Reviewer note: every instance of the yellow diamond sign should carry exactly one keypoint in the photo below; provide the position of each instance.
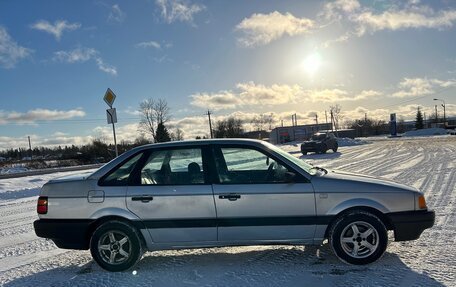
(109, 97)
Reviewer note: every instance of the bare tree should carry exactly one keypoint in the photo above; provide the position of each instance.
(229, 128)
(335, 112)
(177, 135)
(153, 112)
(263, 121)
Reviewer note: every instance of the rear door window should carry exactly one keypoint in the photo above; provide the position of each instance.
(173, 167)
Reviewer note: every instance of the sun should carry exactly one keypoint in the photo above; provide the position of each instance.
(312, 63)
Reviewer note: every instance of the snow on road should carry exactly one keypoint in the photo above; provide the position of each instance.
(426, 163)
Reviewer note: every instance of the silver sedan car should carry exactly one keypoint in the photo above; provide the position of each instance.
(209, 193)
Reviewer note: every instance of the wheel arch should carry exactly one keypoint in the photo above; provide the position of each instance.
(367, 208)
(137, 224)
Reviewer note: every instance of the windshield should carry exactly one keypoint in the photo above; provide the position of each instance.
(318, 137)
(302, 164)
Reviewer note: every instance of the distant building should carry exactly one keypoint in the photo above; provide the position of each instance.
(296, 133)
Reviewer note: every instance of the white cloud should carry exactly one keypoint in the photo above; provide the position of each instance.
(10, 51)
(55, 29)
(32, 116)
(178, 10)
(217, 101)
(261, 29)
(334, 10)
(80, 55)
(402, 15)
(149, 44)
(414, 87)
(251, 94)
(116, 14)
(76, 55)
(105, 67)
(126, 132)
(403, 19)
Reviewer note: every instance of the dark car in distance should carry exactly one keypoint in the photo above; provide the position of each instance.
(320, 143)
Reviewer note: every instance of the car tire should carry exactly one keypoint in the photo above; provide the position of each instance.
(116, 246)
(323, 148)
(358, 237)
(336, 146)
(304, 152)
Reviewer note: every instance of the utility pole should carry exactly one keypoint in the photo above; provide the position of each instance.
(436, 115)
(424, 116)
(292, 120)
(282, 123)
(326, 116)
(210, 123)
(30, 148)
(444, 112)
(296, 120)
(365, 117)
(316, 120)
(332, 120)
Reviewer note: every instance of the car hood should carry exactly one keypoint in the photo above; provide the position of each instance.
(341, 181)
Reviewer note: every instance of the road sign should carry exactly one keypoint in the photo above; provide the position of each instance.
(109, 97)
(393, 127)
(111, 116)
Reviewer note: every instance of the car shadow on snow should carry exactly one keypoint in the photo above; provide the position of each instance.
(328, 155)
(237, 266)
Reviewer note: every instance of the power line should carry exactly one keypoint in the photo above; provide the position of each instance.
(417, 98)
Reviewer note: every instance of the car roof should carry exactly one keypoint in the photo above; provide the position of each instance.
(202, 142)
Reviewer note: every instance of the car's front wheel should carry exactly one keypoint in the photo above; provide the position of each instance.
(336, 146)
(116, 246)
(358, 237)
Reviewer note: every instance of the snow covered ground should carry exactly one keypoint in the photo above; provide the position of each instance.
(426, 163)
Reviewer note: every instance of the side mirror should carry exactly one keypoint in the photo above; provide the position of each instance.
(290, 177)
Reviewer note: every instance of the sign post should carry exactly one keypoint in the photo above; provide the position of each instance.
(111, 114)
(393, 127)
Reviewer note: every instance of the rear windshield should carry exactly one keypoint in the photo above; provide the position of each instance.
(318, 137)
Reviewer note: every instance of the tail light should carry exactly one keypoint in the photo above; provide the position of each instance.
(42, 206)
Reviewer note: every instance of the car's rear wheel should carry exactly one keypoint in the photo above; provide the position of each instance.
(358, 237)
(323, 148)
(336, 146)
(116, 246)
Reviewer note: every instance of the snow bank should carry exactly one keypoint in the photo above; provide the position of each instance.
(351, 142)
(12, 170)
(425, 132)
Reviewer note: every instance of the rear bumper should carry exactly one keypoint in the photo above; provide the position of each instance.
(409, 225)
(308, 148)
(66, 233)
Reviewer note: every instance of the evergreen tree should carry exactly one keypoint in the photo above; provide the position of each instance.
(419, 120)
(162, 134)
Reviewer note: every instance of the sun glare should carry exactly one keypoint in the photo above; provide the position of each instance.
(312, 63)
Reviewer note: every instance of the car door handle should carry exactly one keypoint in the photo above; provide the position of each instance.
(230, 197)
(144, 198)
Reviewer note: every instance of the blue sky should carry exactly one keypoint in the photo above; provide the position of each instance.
(238, 58)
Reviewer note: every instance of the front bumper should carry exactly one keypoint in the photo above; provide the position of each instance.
(66, 233)
(409, 225)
